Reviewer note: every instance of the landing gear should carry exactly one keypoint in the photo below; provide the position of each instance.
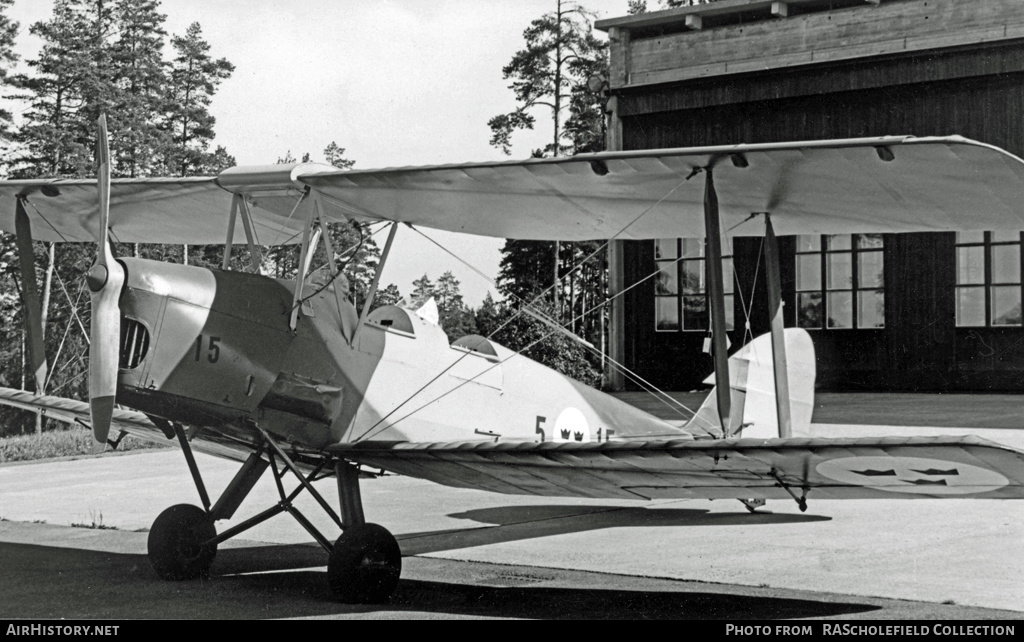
(801, 501)
(179, 543)
(365, 562)
(753, 504)
(363, 566)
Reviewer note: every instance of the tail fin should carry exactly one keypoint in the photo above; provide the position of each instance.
(752, 381)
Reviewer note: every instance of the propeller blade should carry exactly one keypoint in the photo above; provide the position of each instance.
(105, 279)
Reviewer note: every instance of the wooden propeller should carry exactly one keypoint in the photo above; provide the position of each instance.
(105, 280)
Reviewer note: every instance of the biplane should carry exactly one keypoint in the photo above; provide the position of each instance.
(288, 375)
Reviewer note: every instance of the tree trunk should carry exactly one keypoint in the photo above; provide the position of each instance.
(555, 284)
(572, 294)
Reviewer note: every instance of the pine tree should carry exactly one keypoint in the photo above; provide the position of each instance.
(422, 290)
(97, 56)
(387, 296)
(488, 316)
(336, 156)
(525, 269)
(561, 53)
(71, 83)
(137, 54)
(193, 81)
(640, 6)
(215, 163)
(519, 332)
(52, 139)
(455, 316)
(8, 32)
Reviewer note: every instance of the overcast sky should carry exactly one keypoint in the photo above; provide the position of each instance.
(399, 82)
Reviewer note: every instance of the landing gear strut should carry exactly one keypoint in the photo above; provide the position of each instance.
(363, 566)
(365, 562)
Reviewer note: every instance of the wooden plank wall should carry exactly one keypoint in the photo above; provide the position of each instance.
(890, 28)
(856, 76)
(988, 109)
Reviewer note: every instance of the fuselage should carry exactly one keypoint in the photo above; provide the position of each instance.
(215, 349)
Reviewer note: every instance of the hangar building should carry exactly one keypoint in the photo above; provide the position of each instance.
(923, 311)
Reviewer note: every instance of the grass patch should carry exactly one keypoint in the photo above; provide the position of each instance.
(96, 523)
(59, 443)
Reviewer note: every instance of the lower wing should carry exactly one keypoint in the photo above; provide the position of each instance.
(77, 412)
(906, 467)
(892, 467)
(132, 422)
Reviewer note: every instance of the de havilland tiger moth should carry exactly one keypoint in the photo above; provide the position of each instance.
(291, 376)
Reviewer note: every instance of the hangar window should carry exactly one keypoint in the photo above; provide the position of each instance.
(988, 279)
(840, 281)
(680, 290)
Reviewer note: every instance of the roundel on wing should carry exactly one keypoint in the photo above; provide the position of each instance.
(571, 425)
(912, 475)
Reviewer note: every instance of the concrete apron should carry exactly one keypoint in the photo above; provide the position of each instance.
(964, 551)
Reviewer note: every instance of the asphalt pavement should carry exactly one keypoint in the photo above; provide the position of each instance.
(71, 524)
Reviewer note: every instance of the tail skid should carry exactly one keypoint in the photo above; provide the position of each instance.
(752, 384)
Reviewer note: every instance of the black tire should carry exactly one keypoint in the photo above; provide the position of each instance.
(175, 549)
(365, 565)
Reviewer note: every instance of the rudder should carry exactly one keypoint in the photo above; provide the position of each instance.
(752, 383)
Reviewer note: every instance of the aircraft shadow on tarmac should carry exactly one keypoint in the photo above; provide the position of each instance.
(515, 523)
(288, 581)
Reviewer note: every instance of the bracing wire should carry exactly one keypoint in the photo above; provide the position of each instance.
(372, 430)
(340, 270)
(664, 398)
(67, 330)
(46, 220)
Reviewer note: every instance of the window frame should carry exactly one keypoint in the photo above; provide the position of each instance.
(679, 296)
(987, 284)
(824, 251)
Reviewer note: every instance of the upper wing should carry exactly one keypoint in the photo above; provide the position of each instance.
(915, 467)
(165, 210)
(891, 184)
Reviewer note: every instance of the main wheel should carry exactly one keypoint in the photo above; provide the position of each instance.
(365, 565)
(176, 548)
